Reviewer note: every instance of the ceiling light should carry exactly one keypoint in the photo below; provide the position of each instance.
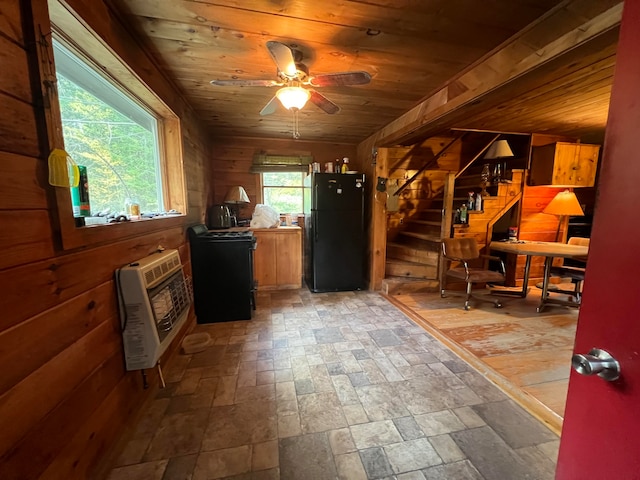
(293, 97)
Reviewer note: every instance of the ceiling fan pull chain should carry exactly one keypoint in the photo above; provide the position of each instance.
(296, 133)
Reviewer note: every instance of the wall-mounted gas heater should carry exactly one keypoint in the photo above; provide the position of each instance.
(154, 302)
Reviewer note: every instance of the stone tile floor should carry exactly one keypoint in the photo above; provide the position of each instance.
(331, 386)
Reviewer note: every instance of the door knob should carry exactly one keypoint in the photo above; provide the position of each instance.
(596, 362)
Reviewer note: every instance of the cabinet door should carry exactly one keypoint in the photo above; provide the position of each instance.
(586, 163)
(289, 259)
(565, 164)
(264, 259)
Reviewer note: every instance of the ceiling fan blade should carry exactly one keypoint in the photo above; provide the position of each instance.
(283, 56)
(270, 107)
(245, 83)
(323, 103)
(340, 79)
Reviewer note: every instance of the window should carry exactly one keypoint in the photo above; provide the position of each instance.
(284, 191)
(137, 151)
(112, 135)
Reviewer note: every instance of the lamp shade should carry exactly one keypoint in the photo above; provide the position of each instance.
(564, 203)
(236, 195)
(293, 97)
(499, 149)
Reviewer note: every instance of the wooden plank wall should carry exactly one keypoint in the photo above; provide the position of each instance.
(232, 163)
(65, 397)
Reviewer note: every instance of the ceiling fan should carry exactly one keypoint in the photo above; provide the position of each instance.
(293, 77)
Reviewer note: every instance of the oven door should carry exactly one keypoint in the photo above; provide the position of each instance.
(222, 278)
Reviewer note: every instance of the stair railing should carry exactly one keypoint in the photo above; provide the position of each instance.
(477, 156)
(430, 163)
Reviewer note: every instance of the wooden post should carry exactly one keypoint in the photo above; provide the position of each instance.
(445, 229)
(379, 223)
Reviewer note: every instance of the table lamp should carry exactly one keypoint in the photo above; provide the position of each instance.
(235, 197)
(564, 204)
(498, 150)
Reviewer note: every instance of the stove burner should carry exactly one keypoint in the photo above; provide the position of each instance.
(224, 234)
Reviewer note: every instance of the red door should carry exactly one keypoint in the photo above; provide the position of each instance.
(601, 433)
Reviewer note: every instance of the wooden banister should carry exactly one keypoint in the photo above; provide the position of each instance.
(433, 161)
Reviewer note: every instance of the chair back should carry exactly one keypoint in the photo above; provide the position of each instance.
(582, 241)
(464, 248)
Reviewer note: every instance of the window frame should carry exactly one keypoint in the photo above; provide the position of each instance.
(301, 187)
(82, 73)
(70, 29)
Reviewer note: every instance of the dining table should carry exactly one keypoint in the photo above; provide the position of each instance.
(549, 250)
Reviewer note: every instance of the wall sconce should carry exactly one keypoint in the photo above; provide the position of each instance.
(564, 204)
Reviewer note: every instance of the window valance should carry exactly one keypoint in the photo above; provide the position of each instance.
(280, 163)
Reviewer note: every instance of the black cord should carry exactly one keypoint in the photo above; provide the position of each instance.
(121, 301)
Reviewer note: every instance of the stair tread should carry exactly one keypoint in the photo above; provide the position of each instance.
(411, 247)
(422, 236)
(435, 223)
(392, 285)
(406, 262)
(397, 279)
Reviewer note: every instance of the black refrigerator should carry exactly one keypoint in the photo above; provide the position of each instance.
(334, 232)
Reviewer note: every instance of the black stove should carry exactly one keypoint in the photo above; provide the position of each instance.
(222, 266)
(228, 235)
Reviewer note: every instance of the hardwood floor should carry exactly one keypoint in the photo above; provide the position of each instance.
(527, 354)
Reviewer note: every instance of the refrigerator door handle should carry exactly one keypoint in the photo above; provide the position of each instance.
(315, 196)
(315, 228)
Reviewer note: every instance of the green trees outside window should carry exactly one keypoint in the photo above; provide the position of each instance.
(283, 191)
(115, 138)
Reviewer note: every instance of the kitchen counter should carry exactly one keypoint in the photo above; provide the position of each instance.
(244, 229)
(278, 258)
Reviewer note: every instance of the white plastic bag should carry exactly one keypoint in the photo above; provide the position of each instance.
(264, 217)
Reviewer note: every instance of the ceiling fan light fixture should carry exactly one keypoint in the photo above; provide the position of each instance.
(293, 97)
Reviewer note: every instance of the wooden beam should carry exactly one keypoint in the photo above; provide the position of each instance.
(537, 45)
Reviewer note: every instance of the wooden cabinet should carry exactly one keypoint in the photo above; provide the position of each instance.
(564, 165)
(277, 260)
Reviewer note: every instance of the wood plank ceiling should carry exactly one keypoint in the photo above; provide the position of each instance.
(410, 48)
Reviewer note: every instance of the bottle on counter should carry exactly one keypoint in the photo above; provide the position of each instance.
(464, 219)
(338, 166)
(345, 165)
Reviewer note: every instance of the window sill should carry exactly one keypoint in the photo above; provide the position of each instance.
(73, 237)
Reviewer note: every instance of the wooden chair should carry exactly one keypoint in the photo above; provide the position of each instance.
(573, 273)
(465, 251)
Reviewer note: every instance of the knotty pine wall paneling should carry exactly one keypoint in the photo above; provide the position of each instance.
(65, 397)
(232, 159)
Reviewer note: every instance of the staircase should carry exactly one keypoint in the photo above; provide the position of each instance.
(415, 232)
(413, 256)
